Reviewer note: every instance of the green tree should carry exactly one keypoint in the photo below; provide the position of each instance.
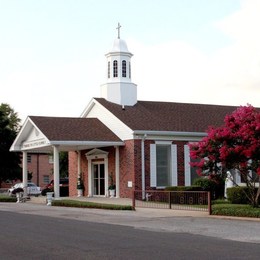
(9, 161)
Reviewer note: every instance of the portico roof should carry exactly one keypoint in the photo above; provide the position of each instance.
(42, 133)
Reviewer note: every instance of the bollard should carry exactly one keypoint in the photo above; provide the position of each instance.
(49, 198)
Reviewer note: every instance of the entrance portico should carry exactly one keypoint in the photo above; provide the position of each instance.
(54, 134)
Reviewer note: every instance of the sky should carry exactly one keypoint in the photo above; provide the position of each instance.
(52, 52)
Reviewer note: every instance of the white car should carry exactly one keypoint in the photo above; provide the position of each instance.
(32, 189)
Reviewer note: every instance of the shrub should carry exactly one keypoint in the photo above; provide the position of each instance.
(180, 196)
(237, 195)
(215, 186)
(4, 198)
(184, 188)
(235, 210)
(85, 204)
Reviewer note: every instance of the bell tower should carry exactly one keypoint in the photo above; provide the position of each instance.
(119, 88)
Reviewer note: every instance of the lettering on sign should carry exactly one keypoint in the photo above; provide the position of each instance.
(34, 144)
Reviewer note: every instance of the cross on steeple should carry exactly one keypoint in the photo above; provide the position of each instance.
(118, 30)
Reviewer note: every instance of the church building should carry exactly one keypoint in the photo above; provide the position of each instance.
(137, 145)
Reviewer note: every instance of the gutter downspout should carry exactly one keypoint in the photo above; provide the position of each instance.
(143, 165)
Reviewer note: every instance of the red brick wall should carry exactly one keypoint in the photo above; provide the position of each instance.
(130, 166)
(40, 166)
(73, 173)
(127, 166)
(180, 164)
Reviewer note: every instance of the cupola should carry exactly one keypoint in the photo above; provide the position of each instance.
(119, 88)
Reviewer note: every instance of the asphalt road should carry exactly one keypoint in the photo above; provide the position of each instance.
(42, 232)
(25, 236)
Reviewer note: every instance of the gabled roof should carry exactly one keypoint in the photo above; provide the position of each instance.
(74, 129)
(41, 133)
(169, 116)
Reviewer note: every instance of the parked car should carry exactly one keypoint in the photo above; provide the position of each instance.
(64, 187)
(32, 189)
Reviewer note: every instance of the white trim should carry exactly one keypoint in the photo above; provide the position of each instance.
(117, 162)
(143, 162)
(82, 143)
(25, 175)
(163, 142)
(90, 184)
(153, 177)
(174, 133)
(96, 154)
(174, 170)
(187, 168)
(56, 175)
(174, 164)
(106, 177)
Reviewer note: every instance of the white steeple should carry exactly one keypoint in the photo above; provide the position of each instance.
(119, 88)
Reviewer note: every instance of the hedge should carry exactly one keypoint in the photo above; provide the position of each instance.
(235, 210)
(85, 204)
(237, 195)
(4, 198)
(184, 188)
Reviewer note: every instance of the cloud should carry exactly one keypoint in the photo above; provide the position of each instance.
(177, 71)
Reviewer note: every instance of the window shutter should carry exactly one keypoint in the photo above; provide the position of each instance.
(153, 179)
(174, 165)
(187, 172)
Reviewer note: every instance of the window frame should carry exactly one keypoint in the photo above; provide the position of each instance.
(173, 164)
(115, 69)
(124, 68)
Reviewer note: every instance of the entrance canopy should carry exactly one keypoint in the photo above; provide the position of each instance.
(69, 134)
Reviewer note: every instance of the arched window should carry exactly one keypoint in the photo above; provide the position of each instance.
(108, 69)
(124, 69)
(115, 74)
(130, 70)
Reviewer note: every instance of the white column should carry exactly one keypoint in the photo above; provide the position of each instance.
(143, 164)
(79, 164)
(117, 173)
(90, 190)
(56, 172)
(25, 173)
(106, 177)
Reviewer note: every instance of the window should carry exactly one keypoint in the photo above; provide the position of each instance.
(115, 74)
(124, 69)
(46, 179)
(251, 176)
(130, 70)
(108, 69)
(190, 172)
(29, 158)
(163, 164)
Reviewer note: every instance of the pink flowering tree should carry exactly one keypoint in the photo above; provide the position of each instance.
(233, 146)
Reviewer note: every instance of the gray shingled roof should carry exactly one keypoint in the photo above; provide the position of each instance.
(169, 116)
(74, 129)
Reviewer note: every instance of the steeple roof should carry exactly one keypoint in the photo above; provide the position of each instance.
(119, 46)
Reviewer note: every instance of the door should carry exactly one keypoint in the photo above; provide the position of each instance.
(99, 179)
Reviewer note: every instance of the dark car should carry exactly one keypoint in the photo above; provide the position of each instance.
(64, 187)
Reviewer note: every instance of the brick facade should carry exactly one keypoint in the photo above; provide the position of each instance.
(130, 165)
(40, 166)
